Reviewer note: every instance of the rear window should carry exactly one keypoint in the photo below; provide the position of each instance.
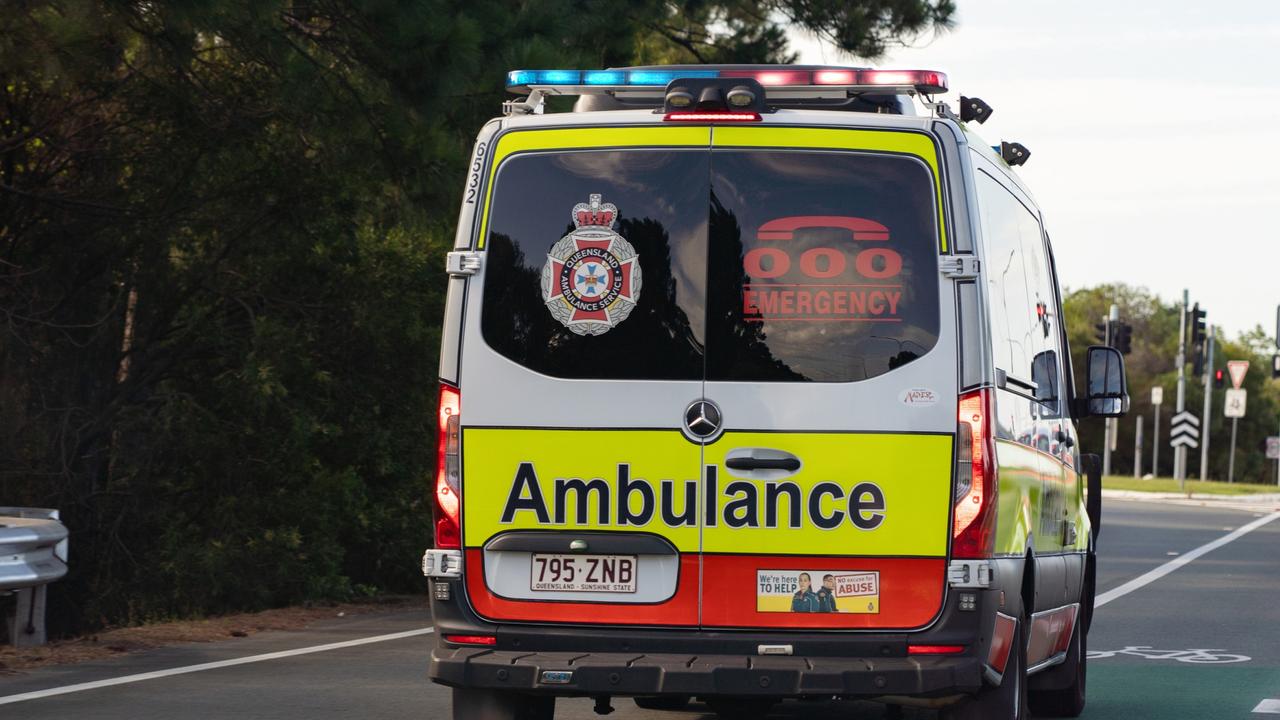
(652, 324)
(752, 265)
(823, 265)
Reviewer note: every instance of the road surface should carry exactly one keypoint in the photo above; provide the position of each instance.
(1201, 641)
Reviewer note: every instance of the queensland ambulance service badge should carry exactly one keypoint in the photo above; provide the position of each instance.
(591, 281)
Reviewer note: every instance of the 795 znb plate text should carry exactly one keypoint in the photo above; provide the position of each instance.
(583, 573)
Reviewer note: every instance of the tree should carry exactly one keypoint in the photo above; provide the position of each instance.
(221, 229)
(1152, 363)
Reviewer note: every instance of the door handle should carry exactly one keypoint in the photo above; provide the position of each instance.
(761, 463)
(755, 463)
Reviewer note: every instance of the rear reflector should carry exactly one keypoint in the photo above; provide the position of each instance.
(935, 649)
(712, 117)
(1001, 642)
(471, 639)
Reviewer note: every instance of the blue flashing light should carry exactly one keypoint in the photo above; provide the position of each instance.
(519, 77)
(660, 78)
(604, 77)
(663, 77)
(544, 77)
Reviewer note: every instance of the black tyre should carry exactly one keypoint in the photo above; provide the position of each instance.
(1059, 692)
(472, 704)
(1009, 700)
(663, 702)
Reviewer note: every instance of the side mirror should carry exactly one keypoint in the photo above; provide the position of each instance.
(1108, 388)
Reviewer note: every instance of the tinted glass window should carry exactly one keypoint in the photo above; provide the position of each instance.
(596, 263)
(1020, 292)
(823, 266)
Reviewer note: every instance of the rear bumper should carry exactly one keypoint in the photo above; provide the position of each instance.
(704, 675)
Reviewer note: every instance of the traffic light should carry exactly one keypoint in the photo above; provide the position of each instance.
(1219, 381)
(1275, 367)
(1197, 326)
(1102, 332)
(1123, 340)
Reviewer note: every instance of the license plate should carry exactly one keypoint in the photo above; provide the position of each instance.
(583, 573)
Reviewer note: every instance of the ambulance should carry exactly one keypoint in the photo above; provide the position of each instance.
(755, 388)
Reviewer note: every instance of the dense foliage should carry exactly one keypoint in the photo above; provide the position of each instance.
(221, 234)
(1152, 363)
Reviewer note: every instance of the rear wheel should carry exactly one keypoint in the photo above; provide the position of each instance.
(1009, 700)
(663, 702)
(471, 704)
(1064, 697)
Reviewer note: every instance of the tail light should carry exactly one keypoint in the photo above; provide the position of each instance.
(448, 470)
(973, 532)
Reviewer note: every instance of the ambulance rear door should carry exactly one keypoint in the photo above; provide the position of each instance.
(832, 363)
(582, 349)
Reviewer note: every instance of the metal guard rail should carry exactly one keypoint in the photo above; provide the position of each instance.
(33, 548)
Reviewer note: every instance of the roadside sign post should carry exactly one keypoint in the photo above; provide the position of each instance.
(1208, 399)
(1137, 449)
(1157, 398)
(1184, 432)
(1110, 424)
(1233, 407)
(1179, 451)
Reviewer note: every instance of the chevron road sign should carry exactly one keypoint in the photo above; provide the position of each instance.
(1185, 430)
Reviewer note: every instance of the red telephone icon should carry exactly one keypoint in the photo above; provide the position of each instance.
(785, 228)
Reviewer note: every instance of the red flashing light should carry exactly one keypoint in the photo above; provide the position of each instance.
(929, 82)
(712, 117)
(448, 464)
(935, 649)
(771, 78)
(471, 639)
(973, 532)
(835, 77)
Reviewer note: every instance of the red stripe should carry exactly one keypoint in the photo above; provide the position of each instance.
(910, 592)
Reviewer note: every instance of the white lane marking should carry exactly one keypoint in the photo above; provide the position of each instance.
(79, 687)
(1151, 576)
(1268, 707)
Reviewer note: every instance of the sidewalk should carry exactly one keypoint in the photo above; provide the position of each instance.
(1264, 503)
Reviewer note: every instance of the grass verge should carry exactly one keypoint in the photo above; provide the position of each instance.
(1169, 485)
(116, 641)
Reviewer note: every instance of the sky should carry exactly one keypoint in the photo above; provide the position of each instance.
(1154, 131)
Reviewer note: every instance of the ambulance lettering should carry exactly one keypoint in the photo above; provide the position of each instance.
(636, 502)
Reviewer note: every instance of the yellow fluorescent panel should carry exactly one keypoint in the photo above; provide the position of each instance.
(855, 494)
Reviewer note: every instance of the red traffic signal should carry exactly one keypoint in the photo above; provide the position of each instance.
(1219, 379)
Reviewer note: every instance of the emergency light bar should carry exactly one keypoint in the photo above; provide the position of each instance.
(852, 80)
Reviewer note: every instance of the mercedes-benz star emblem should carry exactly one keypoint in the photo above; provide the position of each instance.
(702, 418)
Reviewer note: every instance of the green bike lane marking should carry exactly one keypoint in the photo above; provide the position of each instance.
(1157, 690)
